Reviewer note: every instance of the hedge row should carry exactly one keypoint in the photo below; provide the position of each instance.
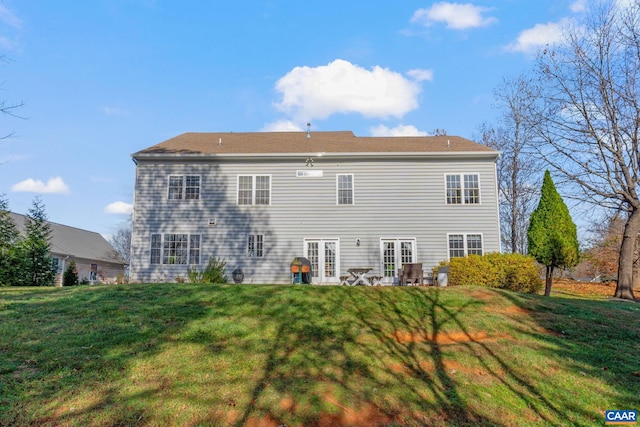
(515, 272)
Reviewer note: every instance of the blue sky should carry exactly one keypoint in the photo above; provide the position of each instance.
(102, 79)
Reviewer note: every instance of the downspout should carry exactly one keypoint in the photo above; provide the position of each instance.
(495, 175)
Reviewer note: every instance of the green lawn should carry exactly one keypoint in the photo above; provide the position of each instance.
(185, 354)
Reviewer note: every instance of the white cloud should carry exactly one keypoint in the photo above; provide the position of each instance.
(53, 185)
(342, 87)
(119, 208)
(400, 130)
(578, 6)
(9, 17)
(282, 126)
(540, 35)
(420, 75)
(457, 16)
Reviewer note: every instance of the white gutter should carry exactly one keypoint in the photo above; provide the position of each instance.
(204, 156)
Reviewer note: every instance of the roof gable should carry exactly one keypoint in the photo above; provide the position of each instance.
(74, 242)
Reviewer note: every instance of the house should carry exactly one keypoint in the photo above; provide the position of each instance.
(96, 260)
(257, 200)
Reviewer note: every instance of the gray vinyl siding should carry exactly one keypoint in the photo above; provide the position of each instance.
(393, 198)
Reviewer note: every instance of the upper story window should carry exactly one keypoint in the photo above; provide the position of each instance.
(465, 244)
(344, 185)
(254, 189)
(175, 249)
(463, 189)
(185, 187)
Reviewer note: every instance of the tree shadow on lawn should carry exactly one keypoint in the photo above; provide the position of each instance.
(601, 339)
(319, 356)
(388, 356)
(424, 325)
(377, 361)
(62, 343)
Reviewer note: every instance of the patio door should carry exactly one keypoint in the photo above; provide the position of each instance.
(394, 253)
(324, 257)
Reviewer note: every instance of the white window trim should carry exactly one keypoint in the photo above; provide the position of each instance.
(397, 240)
(253, 189)
(162, 235)
(255, 245)
(353, 189)
(58, 264)
(183, 191)
(199, 250)
(464, 243)
(321, 240)
(462, 188)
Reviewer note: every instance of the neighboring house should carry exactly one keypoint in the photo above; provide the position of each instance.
(257, 200)
(95, 258)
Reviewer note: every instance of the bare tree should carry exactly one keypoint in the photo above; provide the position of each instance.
(603, 254)
(518, 172)
(587, 117)
(6, 107)
(121, 241)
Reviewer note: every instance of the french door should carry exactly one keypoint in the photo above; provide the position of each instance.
(394, 253)
(324, 255)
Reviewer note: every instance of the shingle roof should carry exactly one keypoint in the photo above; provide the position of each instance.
(74, 242)
(247, 143)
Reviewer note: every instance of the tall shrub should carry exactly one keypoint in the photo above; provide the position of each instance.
(38, 271)
(212, 273)
(70, 275)
(515, 272)
(9, 238)
(553, 238)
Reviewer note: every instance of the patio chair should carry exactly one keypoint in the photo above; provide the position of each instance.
(411, 273)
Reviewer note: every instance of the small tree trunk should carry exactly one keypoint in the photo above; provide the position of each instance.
(636, 265)
(624, 288)
(548, 281)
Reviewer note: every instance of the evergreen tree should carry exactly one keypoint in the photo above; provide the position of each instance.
(38, 271)
(9, 237)
(70, 276)
(553, 238)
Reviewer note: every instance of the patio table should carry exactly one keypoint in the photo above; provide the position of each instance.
(359, 275)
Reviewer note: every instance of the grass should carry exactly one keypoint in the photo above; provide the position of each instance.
(189, 355)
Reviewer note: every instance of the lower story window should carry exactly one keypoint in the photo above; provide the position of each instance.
(93, 273)
(255, 246)
(464, 244)
(175, 249)
(194, 249)
(55, 264)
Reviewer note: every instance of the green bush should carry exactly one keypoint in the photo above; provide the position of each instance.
(194, 275)
(70, 275)
(514, 272)
(212, 273)
(471, 270)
